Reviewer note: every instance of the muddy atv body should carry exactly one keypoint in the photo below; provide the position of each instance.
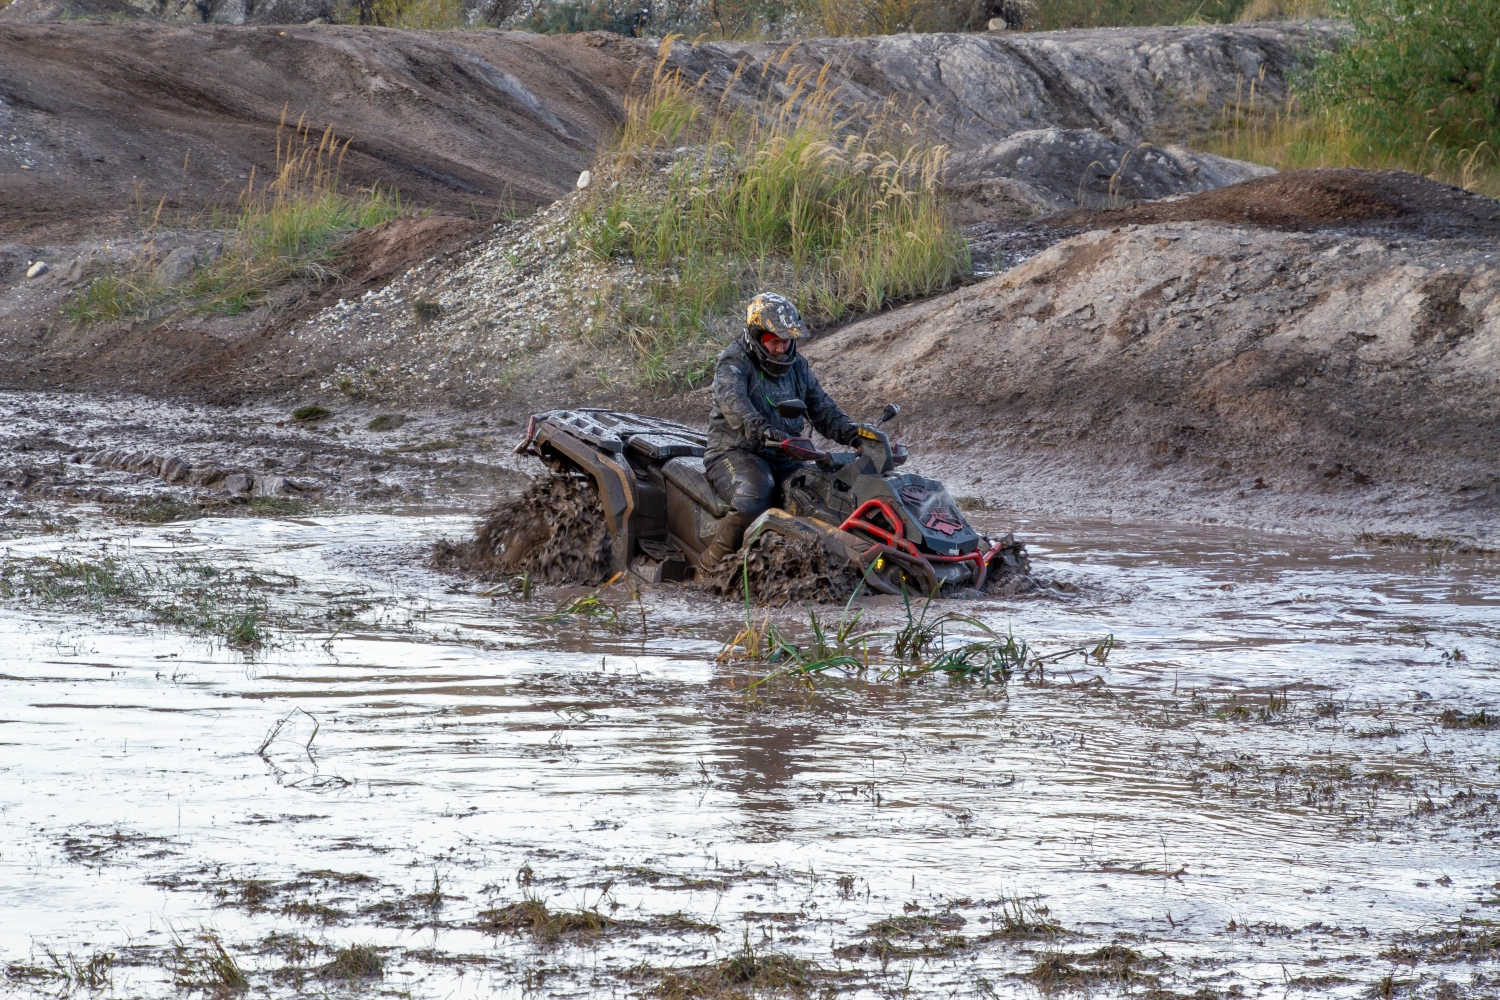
(900, 531)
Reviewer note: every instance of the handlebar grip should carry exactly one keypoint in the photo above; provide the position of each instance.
(802, 450)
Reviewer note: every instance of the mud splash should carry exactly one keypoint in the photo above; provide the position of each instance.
(555, 531)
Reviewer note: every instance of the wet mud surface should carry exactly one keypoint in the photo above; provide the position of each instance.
(1281, 779)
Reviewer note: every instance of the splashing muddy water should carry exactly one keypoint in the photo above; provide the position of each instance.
(1280, 777)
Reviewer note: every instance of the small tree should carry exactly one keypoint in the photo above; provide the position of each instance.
(1416, 71)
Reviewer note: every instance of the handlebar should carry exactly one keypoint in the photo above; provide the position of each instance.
(802, 449)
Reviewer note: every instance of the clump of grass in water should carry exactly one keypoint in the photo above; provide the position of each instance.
(208, 967)
(847, 649)
(1021, 919)
(532, 916)
(92, 583)
(993, 658)
(1112, 963)
(311, 412)
(69, 971)
(1482, 719)
(159, 510)
(194, 596)
(710, 202)
(745, 970)
(587, 606)
(286, 228)
(357, 961)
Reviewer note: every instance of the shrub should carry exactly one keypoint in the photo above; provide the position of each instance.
(581, 15)
(423, 14)
(1416, 72)
(710, 202)
(1315, 127)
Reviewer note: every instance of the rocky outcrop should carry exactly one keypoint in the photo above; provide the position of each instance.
(1132, 84)
(1047, 170)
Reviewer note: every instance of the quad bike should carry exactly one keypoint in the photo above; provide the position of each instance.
(900, 531)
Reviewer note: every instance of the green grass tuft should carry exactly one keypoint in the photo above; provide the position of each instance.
(711, 203)
(311, 412)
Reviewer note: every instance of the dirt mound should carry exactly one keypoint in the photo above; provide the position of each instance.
(1310, 200)
(1048, 170)
(376, 255)
(555, 531)
(1266, 360)
(784, 571)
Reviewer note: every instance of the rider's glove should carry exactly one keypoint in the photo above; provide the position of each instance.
(853, 442)
(771, 437)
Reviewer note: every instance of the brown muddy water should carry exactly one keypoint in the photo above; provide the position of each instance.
(1279, 782)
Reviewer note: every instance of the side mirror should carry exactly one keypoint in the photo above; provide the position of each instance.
(891, 410)
(792, 408)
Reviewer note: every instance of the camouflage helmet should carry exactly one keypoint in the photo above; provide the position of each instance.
(772, 313)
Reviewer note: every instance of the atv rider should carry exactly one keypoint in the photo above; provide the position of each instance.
(743, 460)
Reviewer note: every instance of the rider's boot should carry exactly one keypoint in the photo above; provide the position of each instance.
(727, 539)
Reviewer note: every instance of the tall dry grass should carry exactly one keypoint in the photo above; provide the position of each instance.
(1289, 136)
(283, 228)
(711, 202)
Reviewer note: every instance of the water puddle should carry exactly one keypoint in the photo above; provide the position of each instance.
(1280, 778)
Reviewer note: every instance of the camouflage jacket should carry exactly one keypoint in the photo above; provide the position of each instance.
(745, 398)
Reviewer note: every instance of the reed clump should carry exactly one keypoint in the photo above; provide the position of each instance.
(708, 201)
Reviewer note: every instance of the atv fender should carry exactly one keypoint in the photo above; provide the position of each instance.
(611, 475)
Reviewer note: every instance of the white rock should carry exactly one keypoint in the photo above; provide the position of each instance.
(38, 269)
(584, 179)
(997, 24)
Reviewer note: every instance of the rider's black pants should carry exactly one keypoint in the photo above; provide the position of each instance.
(749, 480)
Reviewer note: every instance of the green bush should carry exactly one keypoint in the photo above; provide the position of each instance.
(581, 15)
(1416, 73)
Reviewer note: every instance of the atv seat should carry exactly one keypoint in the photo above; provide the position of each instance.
(687, 475)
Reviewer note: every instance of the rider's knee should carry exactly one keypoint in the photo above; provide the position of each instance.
(751, 503)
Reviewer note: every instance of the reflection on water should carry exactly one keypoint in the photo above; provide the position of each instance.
(1258, 784)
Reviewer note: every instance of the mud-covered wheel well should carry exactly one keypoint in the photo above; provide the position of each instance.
(562, 465)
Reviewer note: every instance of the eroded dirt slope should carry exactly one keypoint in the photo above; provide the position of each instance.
(97, 118)
(101, 118)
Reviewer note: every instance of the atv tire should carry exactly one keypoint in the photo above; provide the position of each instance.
(784, 570)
